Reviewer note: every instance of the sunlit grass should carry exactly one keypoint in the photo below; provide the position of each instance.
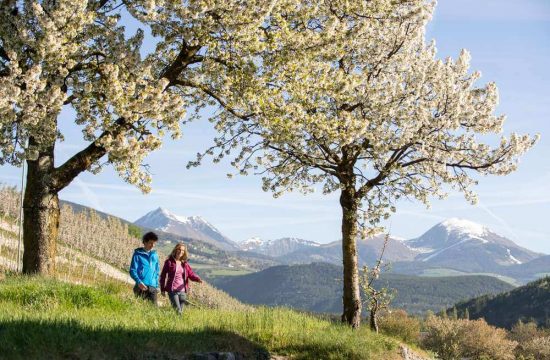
(40, 316)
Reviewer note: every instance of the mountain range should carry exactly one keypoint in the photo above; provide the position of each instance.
(454, 246)
(456, 243)
(461, 244)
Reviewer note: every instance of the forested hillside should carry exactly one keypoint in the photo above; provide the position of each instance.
(530, 302)
(317, 287)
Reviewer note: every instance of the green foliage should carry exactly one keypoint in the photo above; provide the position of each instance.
(134, 231)
(525, 303)
(108, 322)
(454, 313)
(47, 294)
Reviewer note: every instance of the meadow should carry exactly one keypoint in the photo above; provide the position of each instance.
(45, 317)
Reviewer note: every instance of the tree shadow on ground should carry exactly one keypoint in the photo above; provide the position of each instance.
(24, 339)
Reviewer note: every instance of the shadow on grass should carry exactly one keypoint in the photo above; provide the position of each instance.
(384, 350)
(71, 340)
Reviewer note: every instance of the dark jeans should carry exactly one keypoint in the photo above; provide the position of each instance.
(149, 294)
(178, 299)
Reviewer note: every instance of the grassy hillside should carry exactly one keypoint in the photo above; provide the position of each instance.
(530, 302)
(317, 287)
(87, 253)
(46, 318)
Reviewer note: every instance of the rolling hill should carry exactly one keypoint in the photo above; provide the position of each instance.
(317, 287)
(530, 302)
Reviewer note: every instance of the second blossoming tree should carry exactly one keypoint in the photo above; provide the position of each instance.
(366, 109)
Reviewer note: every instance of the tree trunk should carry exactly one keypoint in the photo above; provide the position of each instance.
(41, 202)
(352, 297)
(374, 319)
(41, 216)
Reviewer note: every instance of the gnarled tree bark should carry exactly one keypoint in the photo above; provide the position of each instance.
(41, 215)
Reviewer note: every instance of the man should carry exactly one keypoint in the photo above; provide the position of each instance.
(145, 269)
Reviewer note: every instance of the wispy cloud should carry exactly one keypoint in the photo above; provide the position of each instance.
(246, 199)
(421, 214)
(499, 219)
(87, 193)
(245, 223)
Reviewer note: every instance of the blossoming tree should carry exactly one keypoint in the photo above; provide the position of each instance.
(374, 115)
(74, 54)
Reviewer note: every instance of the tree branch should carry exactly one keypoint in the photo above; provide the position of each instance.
(211, 93)
(180, 63)
(82, 160)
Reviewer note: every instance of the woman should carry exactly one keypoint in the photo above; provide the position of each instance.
(175, 277)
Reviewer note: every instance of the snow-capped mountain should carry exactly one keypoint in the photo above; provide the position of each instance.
(192, 227)
(368, 251)
(278, 247)
(465, 245)
(251, 244)
(457, 244)
(299, 251)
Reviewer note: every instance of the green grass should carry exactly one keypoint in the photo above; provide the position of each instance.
(440, 272)
(197, 265)
(42, 318)
(215, 272)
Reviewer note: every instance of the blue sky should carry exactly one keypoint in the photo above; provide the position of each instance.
(510, 44)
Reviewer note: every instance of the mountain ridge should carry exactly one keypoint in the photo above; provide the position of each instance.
(465, 245)
(193, 227)
(454, 243)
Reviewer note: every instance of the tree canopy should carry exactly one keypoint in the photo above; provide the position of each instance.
(378, 105)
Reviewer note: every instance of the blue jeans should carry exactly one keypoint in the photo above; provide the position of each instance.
(178, 299)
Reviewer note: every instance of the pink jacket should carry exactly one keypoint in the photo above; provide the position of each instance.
(169, 269)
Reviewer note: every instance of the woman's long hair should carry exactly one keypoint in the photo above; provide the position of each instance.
(184, 253)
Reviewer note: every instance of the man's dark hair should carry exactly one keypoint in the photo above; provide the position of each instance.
(150, 236)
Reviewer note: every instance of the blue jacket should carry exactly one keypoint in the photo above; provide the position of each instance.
(145, 267)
